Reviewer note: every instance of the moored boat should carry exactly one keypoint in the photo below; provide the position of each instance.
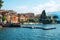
(11, 25)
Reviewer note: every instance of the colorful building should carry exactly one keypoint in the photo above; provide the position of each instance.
(14, 19)
(26, 16)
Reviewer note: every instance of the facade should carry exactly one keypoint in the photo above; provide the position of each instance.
(30, 14)
(22, 17)
(26, 16)
(14, 19)
(10, 16)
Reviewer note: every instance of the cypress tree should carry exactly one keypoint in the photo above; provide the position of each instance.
(43, 15)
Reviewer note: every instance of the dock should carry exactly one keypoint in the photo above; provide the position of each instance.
(43, 28)
(49, 28)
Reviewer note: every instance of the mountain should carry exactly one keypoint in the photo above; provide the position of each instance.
(55, 13)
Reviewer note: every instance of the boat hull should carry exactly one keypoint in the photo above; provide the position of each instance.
(11, 25)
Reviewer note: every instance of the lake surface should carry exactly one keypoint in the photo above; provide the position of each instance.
(31, 34)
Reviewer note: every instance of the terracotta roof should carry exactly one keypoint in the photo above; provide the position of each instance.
(37, 15)
(2, 10)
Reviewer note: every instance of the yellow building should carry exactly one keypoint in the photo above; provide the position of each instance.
(23, 17)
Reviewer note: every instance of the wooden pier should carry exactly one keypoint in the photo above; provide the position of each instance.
(44, 28)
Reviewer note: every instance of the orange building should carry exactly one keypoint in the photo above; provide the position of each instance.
(14, 19)
(11, 16)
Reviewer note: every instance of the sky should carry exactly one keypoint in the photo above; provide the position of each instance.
(35, 6)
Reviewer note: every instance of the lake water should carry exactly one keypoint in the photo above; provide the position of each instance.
(30, 34)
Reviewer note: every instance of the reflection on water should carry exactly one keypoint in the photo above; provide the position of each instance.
(30, 34)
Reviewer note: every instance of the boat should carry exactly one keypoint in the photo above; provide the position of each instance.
(11, 25)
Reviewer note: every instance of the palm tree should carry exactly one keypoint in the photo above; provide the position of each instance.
(1, 3)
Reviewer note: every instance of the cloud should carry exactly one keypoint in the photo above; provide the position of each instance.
(50, 6)
(23, 9)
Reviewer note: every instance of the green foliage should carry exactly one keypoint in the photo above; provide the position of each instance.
(19, 18)
(55, 17)
(22, 21)
(1, 3)
(4, 18)
(31, 19)
(45, 19)
(43, 15)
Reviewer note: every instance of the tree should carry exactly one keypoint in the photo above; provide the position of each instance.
(44, 19)
(43, 15)
(55, 17)
(31, 20)
(19, 18)
(3, 17)
(1, 3)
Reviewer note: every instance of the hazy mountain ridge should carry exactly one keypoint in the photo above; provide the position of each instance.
(55, 13)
